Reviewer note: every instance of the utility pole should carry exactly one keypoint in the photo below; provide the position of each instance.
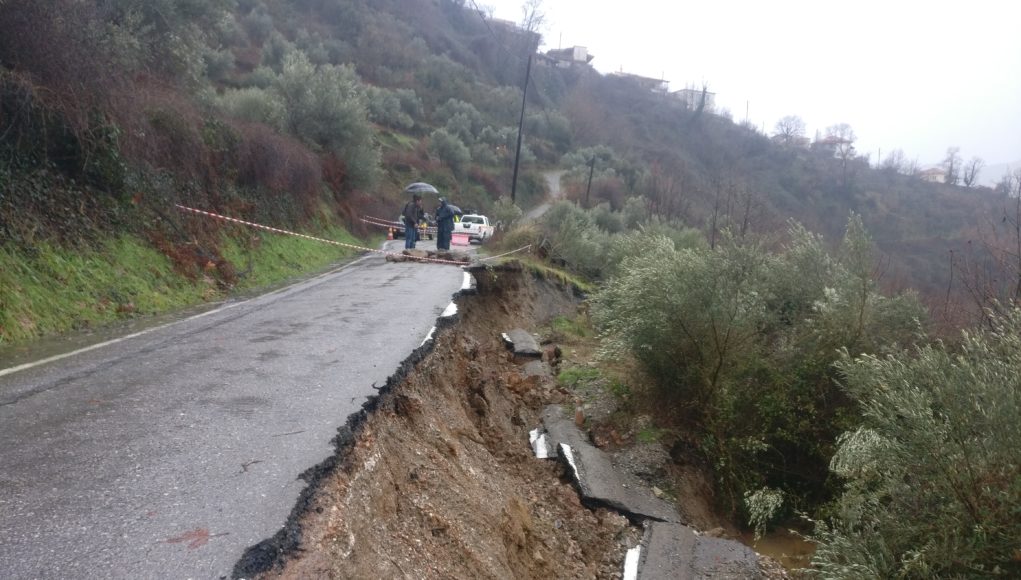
(591, 170)
(521, 125)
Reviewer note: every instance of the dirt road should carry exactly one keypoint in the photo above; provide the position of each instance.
(553, 184)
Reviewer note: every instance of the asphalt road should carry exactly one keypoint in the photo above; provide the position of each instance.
(165, 455)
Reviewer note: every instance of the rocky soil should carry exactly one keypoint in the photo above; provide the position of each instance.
(436, 478)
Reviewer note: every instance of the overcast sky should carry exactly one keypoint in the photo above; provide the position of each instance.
(918, 76)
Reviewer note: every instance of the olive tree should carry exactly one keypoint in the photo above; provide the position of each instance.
(933, 475)
(326, 107)
(743, 340)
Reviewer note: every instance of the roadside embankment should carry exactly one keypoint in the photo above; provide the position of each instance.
(436, 478)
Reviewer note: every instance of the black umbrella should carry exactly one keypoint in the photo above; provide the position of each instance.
(420, 187)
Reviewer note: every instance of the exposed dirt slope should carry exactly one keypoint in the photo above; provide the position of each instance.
(440, 480)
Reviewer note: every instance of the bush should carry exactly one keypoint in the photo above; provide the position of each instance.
(933, 475)
(282, 166)
(325, 107)
(450, 150)
(255, 105)
(386, 107)
(634, 212)
(608, 220)
(505, 213)
(742, 341)
(461, 119)
(572, 236)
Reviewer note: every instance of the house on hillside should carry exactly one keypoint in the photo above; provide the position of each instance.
(799, 141)
(647, 83)
(568, 57)
(933, 175)
(692, 97)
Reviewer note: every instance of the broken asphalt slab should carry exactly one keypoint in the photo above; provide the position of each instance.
(522, 343)
(678, 552)
(669, 549)
(538, 369)
(593, 473)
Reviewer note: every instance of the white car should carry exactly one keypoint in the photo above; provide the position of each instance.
(476, 226)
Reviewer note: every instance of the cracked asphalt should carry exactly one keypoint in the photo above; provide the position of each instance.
(165, 455)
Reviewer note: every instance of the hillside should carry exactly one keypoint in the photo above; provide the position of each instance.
(306, 110)
(754, 297)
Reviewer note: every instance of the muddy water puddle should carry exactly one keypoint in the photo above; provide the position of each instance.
(789, 549)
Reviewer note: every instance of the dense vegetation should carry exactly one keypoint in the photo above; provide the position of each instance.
(811, 392)
(803, 370)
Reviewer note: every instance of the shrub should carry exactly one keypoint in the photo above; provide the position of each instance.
(387, 108)
(461, 119)
(280, 165)
(742, 341)
(572, 236)
(607, 219)
(325, 107)
(634, 212)
(255, 105)
(450, 150)
(505, 213)
(933, 475)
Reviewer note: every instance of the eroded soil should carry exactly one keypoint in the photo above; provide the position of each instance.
(439, 480)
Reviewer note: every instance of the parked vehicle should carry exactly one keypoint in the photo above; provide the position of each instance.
(476, 226)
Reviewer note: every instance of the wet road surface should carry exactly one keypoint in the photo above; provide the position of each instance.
(165, 455)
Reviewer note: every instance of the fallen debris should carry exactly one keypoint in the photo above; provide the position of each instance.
(522, 343)
(593, 473)
(433, 478)
(437, 481)
(677, 552)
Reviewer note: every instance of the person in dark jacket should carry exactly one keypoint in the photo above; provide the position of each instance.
(411, 215)
(444, 224)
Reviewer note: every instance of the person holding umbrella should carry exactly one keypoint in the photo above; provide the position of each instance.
(412, 213)
(445, 223)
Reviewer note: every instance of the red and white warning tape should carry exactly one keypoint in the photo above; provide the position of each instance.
(521, 249)
(375, 221)
(307, 237)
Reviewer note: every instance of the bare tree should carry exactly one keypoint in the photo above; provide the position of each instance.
(841, 137)
(990, 271)
(911, 167)
(789, 129)
(971, 171)
(1010, 184)
(952, 166)
(533, 18)
(895, 162)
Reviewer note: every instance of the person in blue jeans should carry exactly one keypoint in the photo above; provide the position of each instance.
(411, 215)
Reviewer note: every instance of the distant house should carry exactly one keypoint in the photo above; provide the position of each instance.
(568, 57)
(692, 97)
(647, 83)
(933, 175)
(799, 141)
